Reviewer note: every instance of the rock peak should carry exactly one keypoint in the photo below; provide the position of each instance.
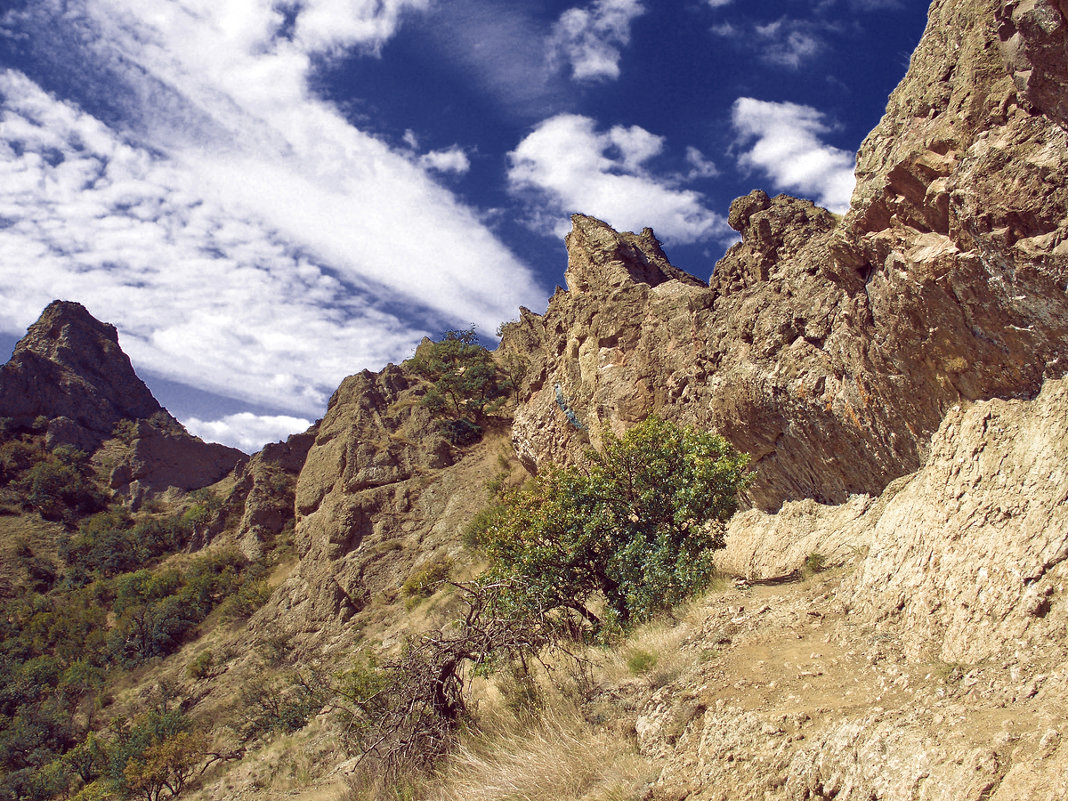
(70, 370)
(70, 365)
(599, 257)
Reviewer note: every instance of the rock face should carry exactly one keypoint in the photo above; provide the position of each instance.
(972, 554)
(832, 350)
(379, 495)
(70, 370)
(262, 498)
(69, 367)
(936, 668)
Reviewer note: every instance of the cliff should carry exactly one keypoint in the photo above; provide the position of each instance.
(832, 350)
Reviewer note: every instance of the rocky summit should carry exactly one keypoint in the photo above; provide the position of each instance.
(69, 377)
(893, 618)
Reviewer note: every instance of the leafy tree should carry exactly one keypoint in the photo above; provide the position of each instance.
(465, 385)
(163, 768)
(635, 526)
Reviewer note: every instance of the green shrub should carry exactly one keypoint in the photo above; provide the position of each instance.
(634, 527)
(465, 385)
(59, 491)
(641, 661)
(424, 582)
(814, 563)
(250, 596)
(201, 666)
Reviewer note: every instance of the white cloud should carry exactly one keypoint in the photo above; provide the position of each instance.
(246, 431)
(590, 38)
(783, 141)
(324, 25)
(718, 3)
(700, 167)
(240, 232)
(453, 160)
(568, 166)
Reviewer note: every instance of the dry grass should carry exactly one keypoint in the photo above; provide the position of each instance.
(558, 758)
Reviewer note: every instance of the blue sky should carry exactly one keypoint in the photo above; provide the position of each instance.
(267, 196)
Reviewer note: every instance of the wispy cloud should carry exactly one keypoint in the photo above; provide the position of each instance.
(240, 232)
(783, 140)
(589, 39)
(246, 431)
(784, 42)
(501, 47)
(566, 165)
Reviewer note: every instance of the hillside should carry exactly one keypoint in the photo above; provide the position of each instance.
(890, 620)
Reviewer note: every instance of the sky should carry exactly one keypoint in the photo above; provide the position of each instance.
(265, 196)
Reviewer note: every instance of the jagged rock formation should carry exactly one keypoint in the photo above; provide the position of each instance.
(69, 368)
(262, 498)
(374, 502)
(70, 371)
(831, 351)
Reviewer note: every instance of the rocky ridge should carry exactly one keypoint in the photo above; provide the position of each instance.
(69, 375)
(831, 350)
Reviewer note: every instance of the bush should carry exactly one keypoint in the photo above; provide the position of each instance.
(635, 527)
(424, 582)
(59, 491)
(641, 661)
(465, 385)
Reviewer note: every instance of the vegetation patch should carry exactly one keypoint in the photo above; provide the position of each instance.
(465, 386)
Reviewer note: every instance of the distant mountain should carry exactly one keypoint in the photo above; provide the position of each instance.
(69, 378)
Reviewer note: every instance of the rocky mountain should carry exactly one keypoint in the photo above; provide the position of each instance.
(898, 376)
(831, 349)
(69, 377)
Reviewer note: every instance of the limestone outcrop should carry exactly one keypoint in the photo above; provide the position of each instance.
(935, 667)
(380, 494)
(262, 498)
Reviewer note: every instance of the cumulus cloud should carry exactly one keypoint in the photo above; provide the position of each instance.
(246, 431)
(589, 39)
(453, 160)
(783, 141)
(566, 165)
(241, 233)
